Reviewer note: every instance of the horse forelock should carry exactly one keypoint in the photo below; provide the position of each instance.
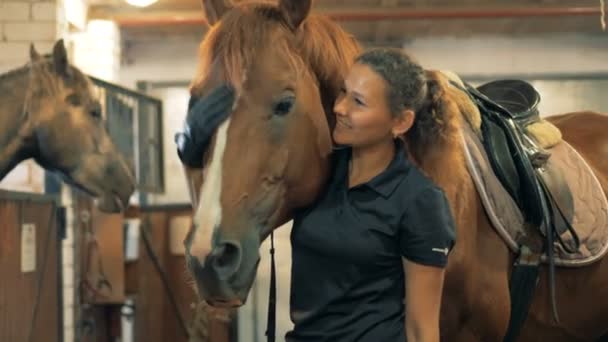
(47, 80)
(234, 45)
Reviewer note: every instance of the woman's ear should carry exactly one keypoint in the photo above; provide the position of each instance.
(403, 122)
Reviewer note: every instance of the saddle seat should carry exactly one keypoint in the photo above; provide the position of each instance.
(518, 97)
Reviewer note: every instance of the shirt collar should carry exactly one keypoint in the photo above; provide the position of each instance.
(385, 182)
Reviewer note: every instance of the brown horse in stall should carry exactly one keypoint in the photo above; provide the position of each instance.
(271, 155)
(49, 112)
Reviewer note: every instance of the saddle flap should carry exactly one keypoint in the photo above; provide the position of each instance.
(574, 189)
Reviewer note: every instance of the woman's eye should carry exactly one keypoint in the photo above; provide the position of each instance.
(359, 102)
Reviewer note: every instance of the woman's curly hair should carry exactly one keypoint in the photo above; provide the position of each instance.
(409, 87)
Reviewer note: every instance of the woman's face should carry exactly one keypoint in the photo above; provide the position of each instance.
(363, 116)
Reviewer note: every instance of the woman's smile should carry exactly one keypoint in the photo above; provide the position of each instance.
(343, 124)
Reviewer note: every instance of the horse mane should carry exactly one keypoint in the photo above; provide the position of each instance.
(434, 154)
(47, 81)
(330, 63)
(14, 73)
(18, 71)
(235, 43)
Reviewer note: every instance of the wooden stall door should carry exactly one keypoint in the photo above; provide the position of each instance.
(100, 256)
(155, 317)
(30, 296)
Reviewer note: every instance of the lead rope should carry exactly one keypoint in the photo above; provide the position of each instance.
(272, 296)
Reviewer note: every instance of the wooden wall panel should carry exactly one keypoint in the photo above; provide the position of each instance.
(18, 290)
(99, 309)
(150, 300)
(106, 260)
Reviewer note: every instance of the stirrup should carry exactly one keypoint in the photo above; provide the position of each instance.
(537, 155)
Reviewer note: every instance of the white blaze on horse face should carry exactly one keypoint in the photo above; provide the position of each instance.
(209, 211)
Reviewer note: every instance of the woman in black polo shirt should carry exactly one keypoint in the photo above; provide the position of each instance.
(382, 226)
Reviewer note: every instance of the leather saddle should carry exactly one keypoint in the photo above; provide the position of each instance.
(521, 165)
(536, 185)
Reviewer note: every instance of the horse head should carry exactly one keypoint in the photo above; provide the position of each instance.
(252, 161)
(58, 122)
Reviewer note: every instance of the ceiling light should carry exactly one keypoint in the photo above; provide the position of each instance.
(140, 3)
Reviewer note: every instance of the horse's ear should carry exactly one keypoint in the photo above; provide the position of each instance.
(60, 58)
(214, 10)
(34, 55)
(295, 11)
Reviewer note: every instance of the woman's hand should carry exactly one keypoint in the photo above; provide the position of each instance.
(424, 287)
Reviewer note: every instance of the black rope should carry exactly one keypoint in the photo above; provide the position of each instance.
(272, 296)
(164, 279)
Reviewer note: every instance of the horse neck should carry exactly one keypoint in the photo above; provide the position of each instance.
(13, 91)
(439, 160)
(445, 164)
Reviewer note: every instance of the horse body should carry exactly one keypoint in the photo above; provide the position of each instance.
(476, 294)
(49, 112)
(582, 293)
(476, 302)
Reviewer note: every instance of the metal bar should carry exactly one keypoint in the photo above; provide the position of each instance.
(521, 12)
(168, 84)
(123, 90)
(29, 197)
(166, 207)
(194, 18)
(160, 150)
(119, 110)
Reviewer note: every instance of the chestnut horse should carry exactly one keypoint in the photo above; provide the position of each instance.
(49, 112)
(271, 155)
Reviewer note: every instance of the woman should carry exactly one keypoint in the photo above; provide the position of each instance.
(382, 225)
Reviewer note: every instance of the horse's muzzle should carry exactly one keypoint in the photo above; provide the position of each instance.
(225, 277)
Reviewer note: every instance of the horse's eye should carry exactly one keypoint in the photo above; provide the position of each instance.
(284, 106)
(74, 100)
(95, 111)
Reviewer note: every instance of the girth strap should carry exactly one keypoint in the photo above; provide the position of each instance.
(524, 280)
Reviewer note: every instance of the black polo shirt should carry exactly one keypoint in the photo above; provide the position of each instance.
(347, 281)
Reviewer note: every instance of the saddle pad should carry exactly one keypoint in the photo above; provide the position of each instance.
(590, 219)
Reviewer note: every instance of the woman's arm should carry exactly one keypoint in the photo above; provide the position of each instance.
(424, 287)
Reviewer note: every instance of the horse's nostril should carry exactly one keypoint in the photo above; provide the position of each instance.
(227, 254)
(227, 259)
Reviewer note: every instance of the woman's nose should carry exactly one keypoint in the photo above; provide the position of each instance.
(340, 107)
